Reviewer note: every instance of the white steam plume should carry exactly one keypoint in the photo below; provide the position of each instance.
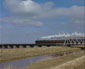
(63, 35)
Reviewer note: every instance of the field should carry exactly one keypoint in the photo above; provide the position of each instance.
(18, 53)
(73, 61)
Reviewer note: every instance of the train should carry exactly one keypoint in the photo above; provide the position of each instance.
(65, 42)
(50, 42)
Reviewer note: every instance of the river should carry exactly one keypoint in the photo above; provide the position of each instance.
(21, 63)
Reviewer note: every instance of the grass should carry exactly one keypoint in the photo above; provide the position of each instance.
(51, 63)
(79, 64)
(18, 53)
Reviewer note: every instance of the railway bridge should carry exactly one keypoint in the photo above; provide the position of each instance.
(47, 43)
(24, 45)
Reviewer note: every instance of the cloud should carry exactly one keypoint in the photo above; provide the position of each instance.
(23, 8)
(21, 21)
(30, 8)
(31, 13)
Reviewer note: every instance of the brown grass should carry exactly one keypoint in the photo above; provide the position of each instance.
(12, 54)
(51, 63)
(74, 64)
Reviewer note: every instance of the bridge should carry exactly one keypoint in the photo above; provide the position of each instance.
(74, 41)
(67, 42)
(24, 45)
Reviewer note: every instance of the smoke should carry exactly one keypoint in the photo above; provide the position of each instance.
(64, 35)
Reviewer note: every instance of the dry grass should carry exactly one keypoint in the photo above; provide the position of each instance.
(80, 65)
(81, 46)
(12, 54)
(74, 64)
(51, 63)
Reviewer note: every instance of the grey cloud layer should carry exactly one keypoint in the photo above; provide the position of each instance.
(31, 12)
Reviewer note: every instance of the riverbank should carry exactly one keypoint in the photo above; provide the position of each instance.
(54, 62)
(13, 54)
(78, 63)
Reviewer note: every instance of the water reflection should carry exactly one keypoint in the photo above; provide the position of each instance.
(19, 64)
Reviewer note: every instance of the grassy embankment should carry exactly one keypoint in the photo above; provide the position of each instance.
(52, 63)
(12, 54)
(75, 64)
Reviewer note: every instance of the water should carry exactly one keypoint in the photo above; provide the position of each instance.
(21, 63)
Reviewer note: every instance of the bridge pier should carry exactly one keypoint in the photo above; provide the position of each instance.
(11, 46)
(5, 46)
(17, 46)
(0, 46)
(23, 46)
(48, 45)
(39, 45)
(31, 46)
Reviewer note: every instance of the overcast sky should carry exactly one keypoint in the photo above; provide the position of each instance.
(24, 21)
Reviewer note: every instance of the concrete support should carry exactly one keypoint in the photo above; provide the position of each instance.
(24, 46)
(5, 46)
(11, 46)
(31, 46)
(0, 46)
(48, 45)
(39, 45)
(17, 46)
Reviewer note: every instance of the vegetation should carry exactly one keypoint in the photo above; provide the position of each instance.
(12, 54)
(51, 63)
(76, 64)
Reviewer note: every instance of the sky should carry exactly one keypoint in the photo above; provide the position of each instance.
(24, 21)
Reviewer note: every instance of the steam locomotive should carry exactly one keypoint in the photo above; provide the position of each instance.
(50, 42)
(67, 42)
